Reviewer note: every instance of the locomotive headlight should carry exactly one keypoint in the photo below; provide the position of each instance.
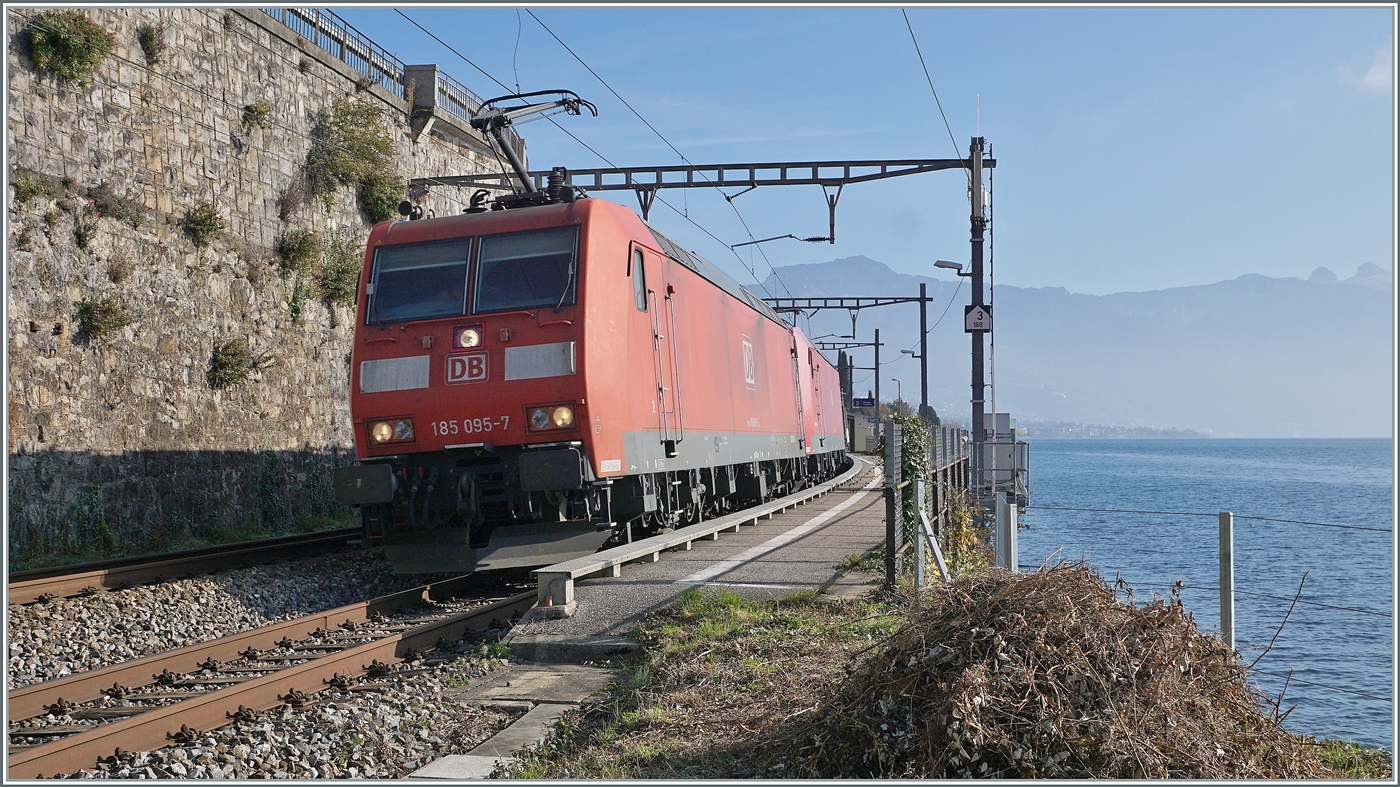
(539, 418)
(399, 430)
(563, 416)
(466, 336)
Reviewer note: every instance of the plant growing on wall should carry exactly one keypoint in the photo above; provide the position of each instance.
(258, 115)
(338, 280)
(67, 44)
(151, 37)
(381, 193)
(100, 319)
(26, 189)
(231, 363)
(105, 202)
(203, 224)
(299, 250)
(293, 197)
(351, 147)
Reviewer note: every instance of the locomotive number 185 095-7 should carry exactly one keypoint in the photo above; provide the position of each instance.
(470, 425)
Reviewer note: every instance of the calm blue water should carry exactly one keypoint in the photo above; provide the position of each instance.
(1339, 481)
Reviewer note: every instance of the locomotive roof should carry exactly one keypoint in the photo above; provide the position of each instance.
(714, 275)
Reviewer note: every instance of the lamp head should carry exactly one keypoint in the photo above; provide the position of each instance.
(952, 266)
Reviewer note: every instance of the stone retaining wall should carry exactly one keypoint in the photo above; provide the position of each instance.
(123, 438)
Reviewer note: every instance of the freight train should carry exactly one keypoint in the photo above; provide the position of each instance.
(531, 383)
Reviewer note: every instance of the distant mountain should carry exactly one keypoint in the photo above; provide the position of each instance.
(1252, 356)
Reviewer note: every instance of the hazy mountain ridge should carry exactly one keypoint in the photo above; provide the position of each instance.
(1253, 355)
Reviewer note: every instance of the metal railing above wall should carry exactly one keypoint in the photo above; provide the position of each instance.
(342, 41)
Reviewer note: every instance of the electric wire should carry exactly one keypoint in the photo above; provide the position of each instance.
(1201, 513)
(588, 147)
(1265, 595)
(663, 138)
(956, 153)
(951, 300)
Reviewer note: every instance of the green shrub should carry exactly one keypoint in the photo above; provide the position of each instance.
(349, 146)
(232, 362)
(380, 193)
(151, 37)
(26, 189)
(102, 318)
(338, 280)
(259, 115)
(203, 224)
(296, 297)
(299, 249)
(67, 44)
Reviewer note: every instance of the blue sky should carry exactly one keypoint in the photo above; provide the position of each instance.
(1137, 148)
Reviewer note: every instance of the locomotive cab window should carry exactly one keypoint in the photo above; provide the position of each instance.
(419, 281)
(639, 280)
(527, 270)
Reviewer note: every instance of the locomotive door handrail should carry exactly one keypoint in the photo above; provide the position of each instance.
(675, 362)
(812, 368)
(797, 388)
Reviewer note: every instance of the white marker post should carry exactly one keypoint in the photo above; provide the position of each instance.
(1227, 578)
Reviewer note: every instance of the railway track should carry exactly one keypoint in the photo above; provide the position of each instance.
(61, 581)
(175, 696)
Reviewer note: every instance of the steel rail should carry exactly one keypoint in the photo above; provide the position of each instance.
(151, 730)
(29, 586)
(31, 701)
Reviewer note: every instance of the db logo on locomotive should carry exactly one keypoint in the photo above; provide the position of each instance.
(469, 368)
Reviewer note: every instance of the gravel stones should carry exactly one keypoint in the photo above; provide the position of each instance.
(384, 730)
(51, 640)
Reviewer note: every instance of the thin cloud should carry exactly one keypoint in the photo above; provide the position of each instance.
(1379, 76)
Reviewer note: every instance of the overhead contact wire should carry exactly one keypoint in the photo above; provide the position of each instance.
(663, 138)
(588, 147)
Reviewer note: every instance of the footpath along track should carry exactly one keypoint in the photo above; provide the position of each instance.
(61, 581)
(145, 704)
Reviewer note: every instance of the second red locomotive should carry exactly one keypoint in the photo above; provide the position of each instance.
(529, 383)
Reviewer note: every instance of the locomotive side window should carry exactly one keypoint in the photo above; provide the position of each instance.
(419, 281)
(527, 270)
(639, 280)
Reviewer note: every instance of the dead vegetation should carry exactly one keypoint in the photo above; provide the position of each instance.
(995, 675)
(1048, 675)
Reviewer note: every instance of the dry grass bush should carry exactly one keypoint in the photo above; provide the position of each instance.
(232, 362)
(151, 37)
(1048, 675)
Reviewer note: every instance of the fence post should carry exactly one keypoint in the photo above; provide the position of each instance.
(1227, 578)
(919, 555)
(1008, 554)
(893, 513)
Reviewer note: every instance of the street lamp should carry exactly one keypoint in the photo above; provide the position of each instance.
(956, 267)
(898, 397)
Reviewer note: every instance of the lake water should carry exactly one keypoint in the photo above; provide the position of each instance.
(1329, 481)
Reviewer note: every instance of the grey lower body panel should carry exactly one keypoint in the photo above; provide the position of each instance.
(646, 453)
(447, 549)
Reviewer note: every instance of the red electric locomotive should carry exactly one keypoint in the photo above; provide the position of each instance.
(529, 383)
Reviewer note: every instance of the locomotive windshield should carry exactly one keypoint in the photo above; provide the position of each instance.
(419, 281)
(527, 270)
